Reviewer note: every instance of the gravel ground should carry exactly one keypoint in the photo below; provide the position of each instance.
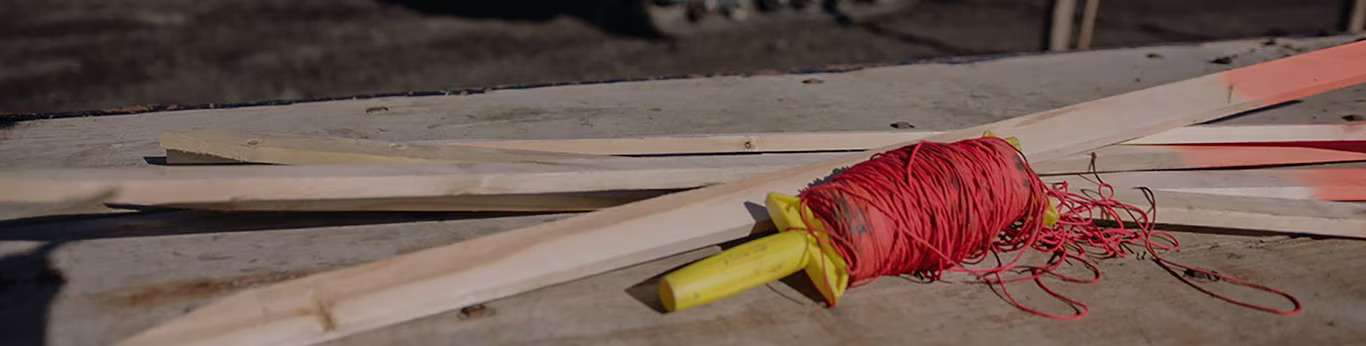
(69, 55)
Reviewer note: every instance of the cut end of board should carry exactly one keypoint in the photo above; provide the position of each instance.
(1284, 80)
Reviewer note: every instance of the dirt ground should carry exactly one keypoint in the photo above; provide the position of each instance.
(69, 55)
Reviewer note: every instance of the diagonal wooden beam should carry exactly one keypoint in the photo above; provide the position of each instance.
(347, 301)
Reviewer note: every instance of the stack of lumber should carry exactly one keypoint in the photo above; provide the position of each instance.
(650, 197)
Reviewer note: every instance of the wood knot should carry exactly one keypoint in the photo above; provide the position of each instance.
(323, 312)
(475, 311)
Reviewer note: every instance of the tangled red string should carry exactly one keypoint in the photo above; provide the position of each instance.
(930, 208)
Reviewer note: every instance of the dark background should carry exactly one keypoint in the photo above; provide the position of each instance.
(68, 55)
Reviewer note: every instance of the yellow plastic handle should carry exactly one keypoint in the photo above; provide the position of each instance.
(735, 270)
(760, 261)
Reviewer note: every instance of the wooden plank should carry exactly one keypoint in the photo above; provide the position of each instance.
(295, 149)
(1309, 184)
(1313, 177)
(1356, 22)
(193, 147)
(1350, 193)
(239, 187)
(864, 140)
(75, 205)
(1254, 213)
(348, 301)
(1060, 26)
(1125, 158)
(1341, 185)
(1088, 24)
(1333, 184)
(544, 202)
(430, 187)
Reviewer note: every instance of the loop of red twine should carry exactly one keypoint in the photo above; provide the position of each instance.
(930, 208)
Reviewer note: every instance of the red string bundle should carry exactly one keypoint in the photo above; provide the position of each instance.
(931, 208)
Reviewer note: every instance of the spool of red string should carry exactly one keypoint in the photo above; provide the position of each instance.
(930, 208)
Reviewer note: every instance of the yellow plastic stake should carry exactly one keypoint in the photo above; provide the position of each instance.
(761, 261)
